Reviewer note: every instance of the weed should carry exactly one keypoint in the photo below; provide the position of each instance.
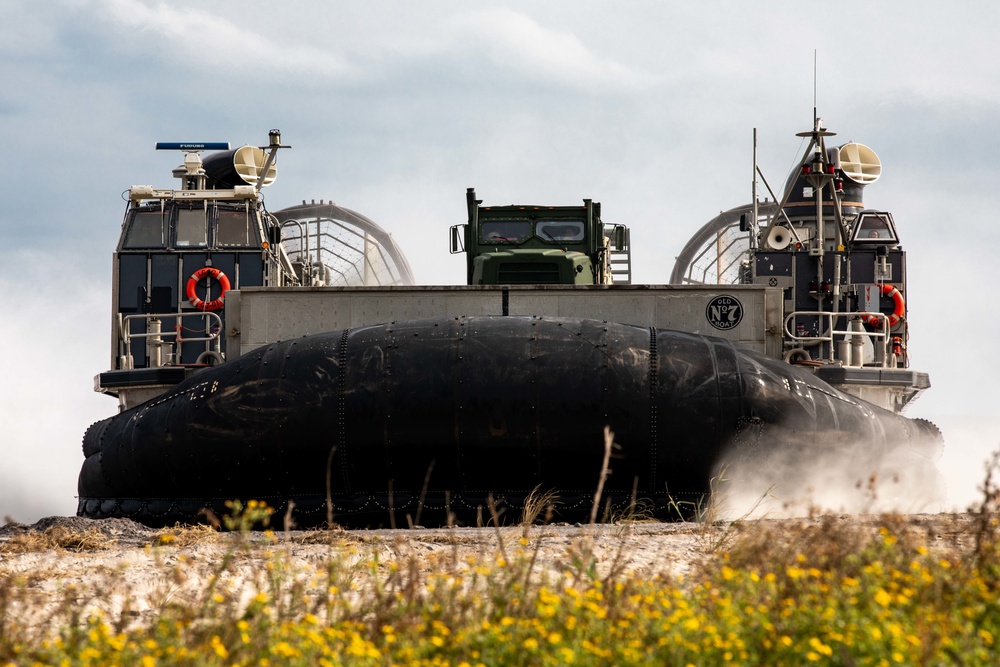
(831, 589)
(55, 537)
(986, 517)
(538, 501)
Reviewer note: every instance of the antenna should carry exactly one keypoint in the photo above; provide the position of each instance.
(754, 228)
(814, 86)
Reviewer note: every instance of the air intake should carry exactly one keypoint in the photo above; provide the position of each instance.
(860, 163)
(242, 166)
(528, 273)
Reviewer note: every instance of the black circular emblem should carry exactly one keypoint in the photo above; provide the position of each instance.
(773, 282)
(724, 312)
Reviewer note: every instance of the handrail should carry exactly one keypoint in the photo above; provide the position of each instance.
(830, 332)
(158, 335)
(303, 234)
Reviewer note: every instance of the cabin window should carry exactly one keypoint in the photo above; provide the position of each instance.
(146, 230)
(233, 229)
(505, 231)
(559, 230)
(874, 228)
(192, 227)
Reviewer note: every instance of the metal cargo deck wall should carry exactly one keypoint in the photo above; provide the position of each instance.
(746, 314)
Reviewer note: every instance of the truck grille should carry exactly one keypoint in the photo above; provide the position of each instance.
(527, 273)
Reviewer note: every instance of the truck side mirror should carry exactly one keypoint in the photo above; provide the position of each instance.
(457, 239)
(620, 237)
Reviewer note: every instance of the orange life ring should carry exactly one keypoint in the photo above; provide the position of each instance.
(897, 312)
(196, 277)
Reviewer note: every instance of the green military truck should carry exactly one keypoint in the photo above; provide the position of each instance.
(541, 245)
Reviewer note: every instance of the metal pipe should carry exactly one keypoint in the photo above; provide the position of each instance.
(857, 342)
(788, 192)
(780, 211)
(153, 342)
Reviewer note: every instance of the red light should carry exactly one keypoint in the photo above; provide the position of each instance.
(829, 168)
(806, 169)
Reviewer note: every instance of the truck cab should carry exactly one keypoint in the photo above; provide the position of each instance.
(539, 245)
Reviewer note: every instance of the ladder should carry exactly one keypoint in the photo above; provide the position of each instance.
(620, 262)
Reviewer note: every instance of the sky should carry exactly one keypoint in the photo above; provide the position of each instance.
(394, 108)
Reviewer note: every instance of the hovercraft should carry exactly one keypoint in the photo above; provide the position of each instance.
(288, 358)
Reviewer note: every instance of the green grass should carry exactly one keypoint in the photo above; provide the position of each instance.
(880, 590)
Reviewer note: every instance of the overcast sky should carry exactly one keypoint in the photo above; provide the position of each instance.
(393, 109)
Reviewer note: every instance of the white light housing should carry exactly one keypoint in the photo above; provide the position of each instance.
(138, 192)
(192, 163)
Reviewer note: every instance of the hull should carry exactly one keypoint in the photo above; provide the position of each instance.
(434, 419)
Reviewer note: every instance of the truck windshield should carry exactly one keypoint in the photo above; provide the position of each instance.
(505, 231)
(559, 230)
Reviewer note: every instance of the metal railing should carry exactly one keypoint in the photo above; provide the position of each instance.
(853, 339)
(155, 337)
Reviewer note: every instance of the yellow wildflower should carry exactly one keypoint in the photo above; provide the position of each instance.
(217, 646)
(883, 598)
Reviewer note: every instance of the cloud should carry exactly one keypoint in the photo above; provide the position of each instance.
(515, 42)
(36, 33)
(202, 41)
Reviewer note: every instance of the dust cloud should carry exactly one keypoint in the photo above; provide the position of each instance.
(855, 479)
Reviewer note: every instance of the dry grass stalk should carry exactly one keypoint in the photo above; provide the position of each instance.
(56, 537)
(609, 445)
